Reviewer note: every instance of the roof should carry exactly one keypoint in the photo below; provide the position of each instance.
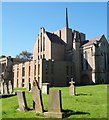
(84, 42)
(54, 38)
(91, 41)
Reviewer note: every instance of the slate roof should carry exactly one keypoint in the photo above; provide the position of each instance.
(54, 38)
(84, 42)
(91, 41)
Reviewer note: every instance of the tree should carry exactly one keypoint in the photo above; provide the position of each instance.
(24, 55)
(2, 56)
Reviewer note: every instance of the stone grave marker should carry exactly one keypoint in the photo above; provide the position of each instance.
(2, 87)
(37, 97)
(5, 88)
(54, 104)
(21, 101)
(10, 88)
(1, 84)
(72, 87)
(45, 88)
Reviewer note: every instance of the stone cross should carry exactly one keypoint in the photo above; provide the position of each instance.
(37, 97)
(21, 101)
(72, 87)
(54, 104)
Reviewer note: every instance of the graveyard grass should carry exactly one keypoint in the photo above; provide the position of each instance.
(89, 102)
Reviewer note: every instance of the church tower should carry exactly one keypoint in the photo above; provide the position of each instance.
(68, 33)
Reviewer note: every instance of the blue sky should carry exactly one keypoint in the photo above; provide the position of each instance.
(21, 21)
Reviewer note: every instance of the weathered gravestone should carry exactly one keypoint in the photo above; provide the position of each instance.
(1, 84)
(37, 97)
(72, 87)
(21, 101)
(5, 88)
(45, 88)
(54, 104)
(10, 88)
(2, 87)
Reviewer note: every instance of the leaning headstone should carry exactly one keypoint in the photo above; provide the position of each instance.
(72, 87)
(21, 101)
(54, 104)
(45, 88)
(5, 88)
(37, 97)
(10, 88)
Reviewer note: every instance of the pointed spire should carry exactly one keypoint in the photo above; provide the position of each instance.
(66, 19)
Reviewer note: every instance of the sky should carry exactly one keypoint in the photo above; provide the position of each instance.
(21, 21)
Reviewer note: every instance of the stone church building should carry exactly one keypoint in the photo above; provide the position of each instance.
(58, 56)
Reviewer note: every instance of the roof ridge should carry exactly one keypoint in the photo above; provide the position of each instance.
(91, 41)
(55, 38)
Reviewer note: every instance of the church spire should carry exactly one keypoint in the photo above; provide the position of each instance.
(66, 19)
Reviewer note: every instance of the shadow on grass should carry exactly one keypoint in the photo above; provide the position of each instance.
(7, 95)
(83, 94)
(71, 112)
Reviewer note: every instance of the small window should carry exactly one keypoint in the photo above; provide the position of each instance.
(38, 69)
(23, 82)
(23, 71)
(17, 83)
(29, 70)
(43, 55)
(43, 43)
(38, 57)
(35, 70)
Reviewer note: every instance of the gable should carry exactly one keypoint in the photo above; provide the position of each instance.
(54, 38)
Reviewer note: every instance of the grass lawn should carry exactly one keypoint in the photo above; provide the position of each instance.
(90, 102)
